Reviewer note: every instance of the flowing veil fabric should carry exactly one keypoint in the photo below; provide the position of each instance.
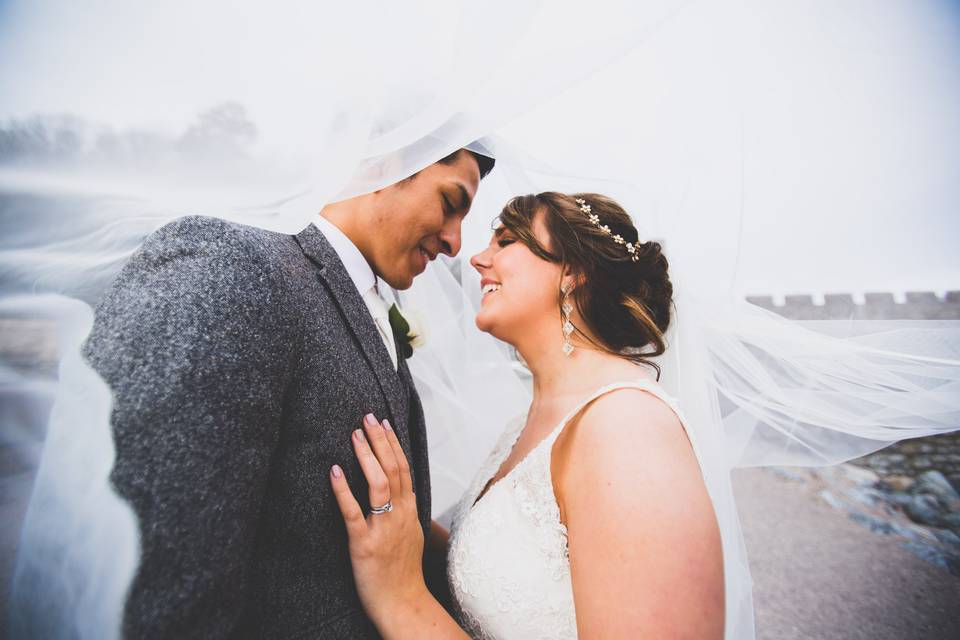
(290, 120)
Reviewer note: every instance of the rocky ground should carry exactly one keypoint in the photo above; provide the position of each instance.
(838, 553)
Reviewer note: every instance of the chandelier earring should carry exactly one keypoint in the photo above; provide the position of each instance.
(565, 310)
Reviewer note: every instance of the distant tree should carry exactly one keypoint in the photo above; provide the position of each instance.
(223, 131)
(42, 138)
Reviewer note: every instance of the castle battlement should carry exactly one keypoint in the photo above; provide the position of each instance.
(916, 305)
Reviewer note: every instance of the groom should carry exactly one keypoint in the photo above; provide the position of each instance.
(240, 361)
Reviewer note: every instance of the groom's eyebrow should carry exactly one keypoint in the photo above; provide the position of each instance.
(465, 199)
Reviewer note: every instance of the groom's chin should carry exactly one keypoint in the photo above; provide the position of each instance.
(400, 282)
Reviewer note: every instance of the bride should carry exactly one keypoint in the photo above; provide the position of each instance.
(591, 517)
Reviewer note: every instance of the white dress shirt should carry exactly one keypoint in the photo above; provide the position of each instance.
(364, 279)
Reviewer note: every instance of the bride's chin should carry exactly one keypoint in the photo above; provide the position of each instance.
(482, 323)
(486, 324)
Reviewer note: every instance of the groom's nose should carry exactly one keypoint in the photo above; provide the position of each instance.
(450, 239)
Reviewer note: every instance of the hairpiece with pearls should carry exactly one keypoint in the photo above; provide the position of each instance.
(632, 249)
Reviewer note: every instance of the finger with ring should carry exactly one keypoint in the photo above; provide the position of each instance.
(387, 508)
(377, 438)
(377, 482)
(406, 478)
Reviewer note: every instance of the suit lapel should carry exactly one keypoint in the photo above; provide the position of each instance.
(357, 317)
(418, 449)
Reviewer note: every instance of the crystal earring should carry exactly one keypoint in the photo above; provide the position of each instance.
(565, 310)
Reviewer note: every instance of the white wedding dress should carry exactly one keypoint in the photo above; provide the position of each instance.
(508, 567)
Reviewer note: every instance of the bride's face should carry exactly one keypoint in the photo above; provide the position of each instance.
(520, 289)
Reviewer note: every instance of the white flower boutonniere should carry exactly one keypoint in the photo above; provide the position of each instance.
(408, 330)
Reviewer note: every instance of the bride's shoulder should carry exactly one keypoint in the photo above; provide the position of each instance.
(643, 408)
(626, 426)
(624, 440)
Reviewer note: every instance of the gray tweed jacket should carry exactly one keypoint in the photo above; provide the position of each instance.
(240, 361)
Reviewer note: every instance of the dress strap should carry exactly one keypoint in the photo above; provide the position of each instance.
(640, 383)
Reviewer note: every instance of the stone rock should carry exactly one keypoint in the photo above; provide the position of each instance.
(925, 509)
(915, 532)
(827, 474)
(951, 521)
(877, 525)
(922, 462)
(896, 483)
(934, 555)
(831, 499)
(865, 496)
(787, 474)
(899, 499)
(936, 484)
(860, 475)
(909, 446)
(947, 537)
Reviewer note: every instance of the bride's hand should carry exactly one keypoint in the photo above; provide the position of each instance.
(386, 549)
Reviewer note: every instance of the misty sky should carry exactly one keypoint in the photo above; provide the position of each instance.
(850, 121)
(832, 126)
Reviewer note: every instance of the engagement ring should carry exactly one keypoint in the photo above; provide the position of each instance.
(387, 508)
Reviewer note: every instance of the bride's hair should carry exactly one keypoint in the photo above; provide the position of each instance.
(624, 302)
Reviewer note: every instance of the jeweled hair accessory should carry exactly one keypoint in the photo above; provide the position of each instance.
(632, 249)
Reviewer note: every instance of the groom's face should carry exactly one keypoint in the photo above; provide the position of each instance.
(420, 218)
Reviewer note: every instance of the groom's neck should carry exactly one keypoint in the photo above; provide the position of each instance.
(348, 217)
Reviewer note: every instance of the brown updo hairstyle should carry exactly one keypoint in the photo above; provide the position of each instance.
(625, 304)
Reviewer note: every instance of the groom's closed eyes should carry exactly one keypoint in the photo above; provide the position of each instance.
(456, 199)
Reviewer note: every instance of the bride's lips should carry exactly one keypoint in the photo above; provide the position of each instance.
(488, 286)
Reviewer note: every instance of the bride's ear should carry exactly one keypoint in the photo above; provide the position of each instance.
(569, 280)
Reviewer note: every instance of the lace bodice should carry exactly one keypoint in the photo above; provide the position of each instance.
(508, 567)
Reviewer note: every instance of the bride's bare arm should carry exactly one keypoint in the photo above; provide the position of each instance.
(644, 545)
(387, 549)
(439, 540)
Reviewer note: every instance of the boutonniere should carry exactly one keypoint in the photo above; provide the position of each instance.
(407, 331)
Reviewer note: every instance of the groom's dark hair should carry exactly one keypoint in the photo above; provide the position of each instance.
(484, 162)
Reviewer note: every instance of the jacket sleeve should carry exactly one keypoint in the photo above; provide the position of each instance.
(194, 341)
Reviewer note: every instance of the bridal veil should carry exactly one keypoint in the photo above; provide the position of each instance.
(724, 128)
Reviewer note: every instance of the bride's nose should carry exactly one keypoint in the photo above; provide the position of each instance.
(481, 260)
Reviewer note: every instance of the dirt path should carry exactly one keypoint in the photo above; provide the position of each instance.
(819, 575)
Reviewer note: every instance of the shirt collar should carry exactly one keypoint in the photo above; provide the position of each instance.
(356, 265)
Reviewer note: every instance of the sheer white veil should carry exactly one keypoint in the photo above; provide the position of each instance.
(310, 104)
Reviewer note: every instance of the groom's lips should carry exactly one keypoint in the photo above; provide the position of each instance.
(431, 255)
(426, 255)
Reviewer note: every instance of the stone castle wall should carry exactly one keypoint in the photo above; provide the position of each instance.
(917, 305)
(909, 458)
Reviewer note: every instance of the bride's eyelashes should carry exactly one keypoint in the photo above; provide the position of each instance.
(503, 242)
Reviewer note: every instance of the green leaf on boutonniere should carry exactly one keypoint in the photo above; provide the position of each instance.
(401, 331)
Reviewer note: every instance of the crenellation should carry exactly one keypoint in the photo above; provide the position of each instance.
(877, 299)
(922, 297)
(875, 305)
